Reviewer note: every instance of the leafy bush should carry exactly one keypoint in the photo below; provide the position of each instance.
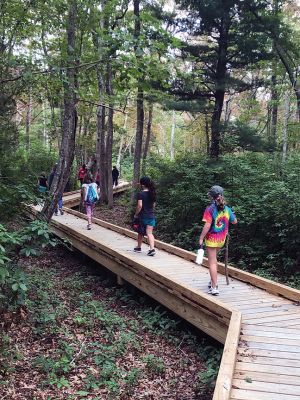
(265, 196)
(29, 241)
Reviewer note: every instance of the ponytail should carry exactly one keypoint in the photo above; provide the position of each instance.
(149, 184)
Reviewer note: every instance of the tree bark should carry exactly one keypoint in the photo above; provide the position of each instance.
(109, 138)
(148, 136)
(172, 149)
(28, 121)
(285, 125)
(274, 112)
(139, 101)
(219, 85)
(69, 123)
(121, 144)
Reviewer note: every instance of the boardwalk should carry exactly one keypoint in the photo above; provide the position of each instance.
(261, 359)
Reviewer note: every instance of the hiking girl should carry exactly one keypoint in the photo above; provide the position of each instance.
(89, 195)
(145, 212)
(217, 218)
(82, 173)
(42, 183)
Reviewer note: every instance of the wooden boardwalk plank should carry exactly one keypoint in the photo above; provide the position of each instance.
(270, 346)
(270, 360)
(268, 387)
(238, 394)
(265, 328)
(259, 352)
(270, 369)
(265, 339)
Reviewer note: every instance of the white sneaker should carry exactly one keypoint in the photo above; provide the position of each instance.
(209, 285)
(214, 291)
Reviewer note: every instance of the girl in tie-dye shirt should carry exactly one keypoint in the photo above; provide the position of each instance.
(217, 218)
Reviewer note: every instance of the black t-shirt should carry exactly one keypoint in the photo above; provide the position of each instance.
(43, 181)
(115, 173)
(147, 208)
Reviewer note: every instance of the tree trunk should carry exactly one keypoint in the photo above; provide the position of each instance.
(148, 136)
(109, 138)
(121, 144)
(172, 149)
(220, 85)
(28, 122)
(139, 101)
(285, 125)
(207, 133)
(69, 123)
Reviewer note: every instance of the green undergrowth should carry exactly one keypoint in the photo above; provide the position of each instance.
(79, 334)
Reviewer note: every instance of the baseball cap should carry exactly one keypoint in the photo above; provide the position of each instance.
(215, 191)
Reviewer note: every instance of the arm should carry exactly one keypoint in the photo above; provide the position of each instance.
(138, 208)
(234, 222)
(204, 232)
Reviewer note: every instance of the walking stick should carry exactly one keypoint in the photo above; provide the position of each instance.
(226, 258)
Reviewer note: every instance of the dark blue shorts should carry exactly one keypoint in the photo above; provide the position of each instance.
(149, 221)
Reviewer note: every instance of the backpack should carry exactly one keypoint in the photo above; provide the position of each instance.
(92, 195)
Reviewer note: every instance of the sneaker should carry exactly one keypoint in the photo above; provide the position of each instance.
(151, 253)
(56, 213)
(209, 285)
(89, 227)
(61, 212)
(137, 249)
(214, 291)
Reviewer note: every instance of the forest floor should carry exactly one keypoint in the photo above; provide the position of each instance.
(80, 336)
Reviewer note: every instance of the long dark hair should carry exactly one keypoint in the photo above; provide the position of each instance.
(149, 184)
(88, 179)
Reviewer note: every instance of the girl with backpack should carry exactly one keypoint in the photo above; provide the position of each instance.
(145, 213)
(89, 196)
(217, 218)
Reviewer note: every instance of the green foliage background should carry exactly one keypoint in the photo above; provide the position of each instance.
(263, 193)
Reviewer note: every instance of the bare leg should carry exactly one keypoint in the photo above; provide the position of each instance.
(213, 265)
(89, 213)
(140, 240)
(149, 230)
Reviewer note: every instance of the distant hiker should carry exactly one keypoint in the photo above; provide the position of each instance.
(59, 205)
(81, 173)
(145, 213)
(217, 218)
(51, 175)
(42, 183)
(115, 176)
(89, 195)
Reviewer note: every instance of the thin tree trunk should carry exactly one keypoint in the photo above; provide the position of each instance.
(109, 138)
(69, 123)
(172, 149)
(148, 135)
(274, 112)
(28, 121)
(207, 133)
(220, 86)
(101, 113)
(139, 102)
(45, 133)
(121, 144)
(285, 125)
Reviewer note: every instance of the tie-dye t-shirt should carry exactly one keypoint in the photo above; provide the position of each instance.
(219, 221)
